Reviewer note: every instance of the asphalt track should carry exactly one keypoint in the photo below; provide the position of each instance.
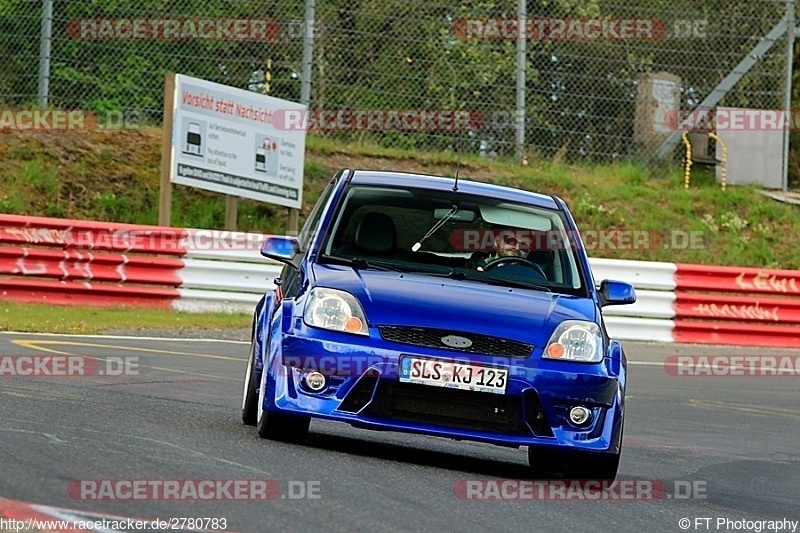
(732, 440)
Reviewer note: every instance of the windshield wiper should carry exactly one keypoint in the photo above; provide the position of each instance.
(362, 262)
(454, 274)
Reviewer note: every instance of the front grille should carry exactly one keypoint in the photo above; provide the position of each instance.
(432, 338)
(453, 408)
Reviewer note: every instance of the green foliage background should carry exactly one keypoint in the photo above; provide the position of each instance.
(404, 54)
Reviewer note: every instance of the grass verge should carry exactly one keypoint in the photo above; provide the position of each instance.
(114, 176)
(43, 318)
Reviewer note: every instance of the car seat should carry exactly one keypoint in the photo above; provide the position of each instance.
(375, 235)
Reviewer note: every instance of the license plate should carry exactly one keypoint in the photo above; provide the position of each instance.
(454, 375)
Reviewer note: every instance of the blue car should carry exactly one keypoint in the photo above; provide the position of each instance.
(442, 307)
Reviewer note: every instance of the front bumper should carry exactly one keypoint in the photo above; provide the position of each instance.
(363, 389)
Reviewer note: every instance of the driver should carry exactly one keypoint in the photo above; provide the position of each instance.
(507, 243)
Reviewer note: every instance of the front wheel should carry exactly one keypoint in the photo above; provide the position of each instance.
(279, 426)
(600, 466)
(573, 465)
(250, 395)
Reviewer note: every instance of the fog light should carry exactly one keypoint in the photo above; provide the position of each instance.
(314, 381)
(579, 415)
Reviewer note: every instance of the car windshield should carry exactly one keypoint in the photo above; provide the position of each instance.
(462, 236)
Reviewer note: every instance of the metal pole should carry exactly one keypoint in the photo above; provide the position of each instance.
(520, 111)
(44, 52)
(787, 97)
(305, 89)
(308, 53)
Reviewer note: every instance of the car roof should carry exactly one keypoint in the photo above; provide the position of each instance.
(422, 181)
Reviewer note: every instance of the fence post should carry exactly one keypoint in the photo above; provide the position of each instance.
(308, 53)
(787, 96)
(44, 52)
(305, 88)
(520, 111)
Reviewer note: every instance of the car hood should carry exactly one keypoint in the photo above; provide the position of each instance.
(418, 300)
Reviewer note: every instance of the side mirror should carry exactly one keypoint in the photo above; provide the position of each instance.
(283, 249)
(616, 293)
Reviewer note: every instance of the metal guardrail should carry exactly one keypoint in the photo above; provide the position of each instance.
(234, 282)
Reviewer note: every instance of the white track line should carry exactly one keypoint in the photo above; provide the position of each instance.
(124, 337)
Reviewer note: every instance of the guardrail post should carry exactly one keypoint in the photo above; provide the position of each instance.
(44, 52)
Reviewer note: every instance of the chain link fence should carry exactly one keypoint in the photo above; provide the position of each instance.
(408, 73)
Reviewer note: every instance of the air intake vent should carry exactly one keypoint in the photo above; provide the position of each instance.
(360, 395)
(470, 410)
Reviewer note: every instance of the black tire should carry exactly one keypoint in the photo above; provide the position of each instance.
(601, 466)
(249, 394)
(282, 427)
(548, 464)
(279, 426)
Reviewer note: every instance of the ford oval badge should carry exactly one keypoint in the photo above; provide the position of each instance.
(454, 341)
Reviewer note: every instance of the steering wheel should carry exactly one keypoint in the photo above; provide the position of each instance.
(513, 259)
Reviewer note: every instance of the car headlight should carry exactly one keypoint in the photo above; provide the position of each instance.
(336, 310)
(575, 340)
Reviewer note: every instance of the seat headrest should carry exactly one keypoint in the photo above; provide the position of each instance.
(376, 233)
(543, 258)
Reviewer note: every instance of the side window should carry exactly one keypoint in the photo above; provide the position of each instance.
(290, 281)
(306, 234)
(291, 278)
